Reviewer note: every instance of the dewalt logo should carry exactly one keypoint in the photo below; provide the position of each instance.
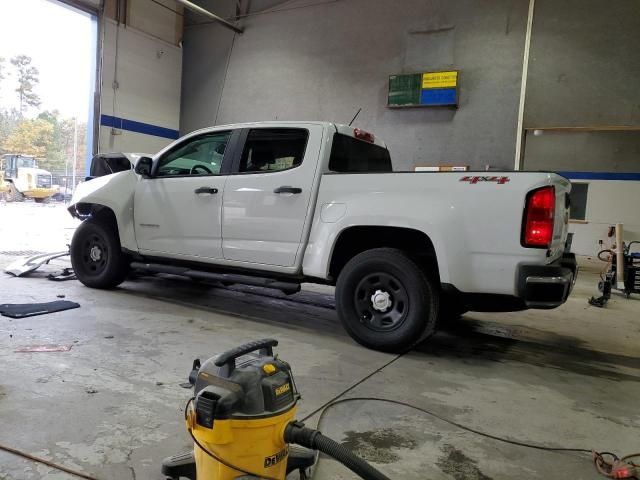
(283, 389)
(277, 458)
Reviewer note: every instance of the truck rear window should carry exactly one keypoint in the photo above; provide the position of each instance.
(350, 155)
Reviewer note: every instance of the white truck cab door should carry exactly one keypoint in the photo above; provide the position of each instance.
(267, 196)
(177, 212)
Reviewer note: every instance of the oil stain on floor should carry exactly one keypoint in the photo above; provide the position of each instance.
(377, 445)
(459, 466)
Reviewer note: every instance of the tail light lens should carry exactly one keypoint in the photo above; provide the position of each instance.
(362, 135)
(537, 228)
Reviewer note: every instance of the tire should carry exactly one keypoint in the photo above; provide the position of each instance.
(96, 255)
(405, 311)
(41, 200)
(13, 195)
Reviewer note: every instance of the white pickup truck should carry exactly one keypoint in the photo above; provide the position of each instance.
(276, 204)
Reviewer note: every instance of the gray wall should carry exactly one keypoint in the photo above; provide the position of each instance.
(583, 152)
(584, 66)
(584, 71)
(206, 49)
(325, 62)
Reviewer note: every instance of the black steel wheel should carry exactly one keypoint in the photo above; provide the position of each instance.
(96, 255)
(382, 301)
(385, 301)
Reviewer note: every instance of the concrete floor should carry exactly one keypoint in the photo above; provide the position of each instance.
(112, 405)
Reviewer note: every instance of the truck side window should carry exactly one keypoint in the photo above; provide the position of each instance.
(198, 156)
(350, 155)
(273, 149)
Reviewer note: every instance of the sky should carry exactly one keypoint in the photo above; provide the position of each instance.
(59, 40)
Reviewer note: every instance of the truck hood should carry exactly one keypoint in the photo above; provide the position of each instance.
(104, 190)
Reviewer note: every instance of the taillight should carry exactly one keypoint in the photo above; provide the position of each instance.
(362, 135)
(537, 228)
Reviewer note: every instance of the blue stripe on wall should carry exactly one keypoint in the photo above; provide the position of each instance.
(601, 175)
(138, 127)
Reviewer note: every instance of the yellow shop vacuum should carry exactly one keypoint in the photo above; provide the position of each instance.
(241, 420)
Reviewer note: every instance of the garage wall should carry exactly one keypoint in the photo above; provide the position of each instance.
(603, 194)
(584, 72)
(583, 67)
(324, 62)
(206, 50)
(141, 79)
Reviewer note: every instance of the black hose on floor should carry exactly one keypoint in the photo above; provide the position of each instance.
(297, 433)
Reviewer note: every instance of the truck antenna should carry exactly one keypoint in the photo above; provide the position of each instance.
(355, 116)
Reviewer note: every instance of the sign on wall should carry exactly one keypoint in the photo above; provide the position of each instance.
(428, 89)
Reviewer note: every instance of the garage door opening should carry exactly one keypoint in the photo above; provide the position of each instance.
(48, 58)
(48, 53)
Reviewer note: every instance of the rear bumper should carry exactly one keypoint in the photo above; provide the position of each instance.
(547, 286)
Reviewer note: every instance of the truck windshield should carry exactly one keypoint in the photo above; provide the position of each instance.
(350, 155)
(26, 162)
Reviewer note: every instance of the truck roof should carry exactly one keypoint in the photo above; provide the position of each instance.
(339, 127)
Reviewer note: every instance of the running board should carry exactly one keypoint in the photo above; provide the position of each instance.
(285, 287)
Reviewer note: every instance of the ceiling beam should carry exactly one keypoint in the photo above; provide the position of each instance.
(197, 9)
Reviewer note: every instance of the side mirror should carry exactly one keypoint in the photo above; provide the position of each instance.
(143, 167)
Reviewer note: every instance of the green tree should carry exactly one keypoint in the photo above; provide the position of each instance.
(27, 80)
(9, 121)
(56, 153)
(31, 137)
(59, 155)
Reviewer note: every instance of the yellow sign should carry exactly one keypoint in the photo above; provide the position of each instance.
(439, 80)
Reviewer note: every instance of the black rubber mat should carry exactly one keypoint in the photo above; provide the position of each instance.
(21, 310)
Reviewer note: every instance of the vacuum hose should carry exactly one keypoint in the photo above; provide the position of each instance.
(297, 433)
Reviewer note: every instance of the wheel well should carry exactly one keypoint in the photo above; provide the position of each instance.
(97, 211)
(355, 240)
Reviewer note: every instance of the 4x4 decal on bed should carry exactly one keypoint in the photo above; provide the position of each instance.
(473, 180)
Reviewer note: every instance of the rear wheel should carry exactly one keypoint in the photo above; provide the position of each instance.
(96, 255)
(385, 301)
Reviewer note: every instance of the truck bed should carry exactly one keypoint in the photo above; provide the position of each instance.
(474, 219)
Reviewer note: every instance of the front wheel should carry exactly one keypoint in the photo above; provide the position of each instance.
(385, 301)
(96, 255)
(13, 195)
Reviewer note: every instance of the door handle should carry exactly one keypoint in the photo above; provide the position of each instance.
(287, 189)
(209, 190)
